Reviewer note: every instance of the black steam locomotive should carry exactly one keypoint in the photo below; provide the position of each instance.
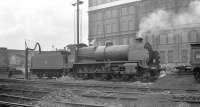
(137, 61)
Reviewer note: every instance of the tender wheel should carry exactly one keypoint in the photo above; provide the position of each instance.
(146, 76)
(125, 77)
(39, 75)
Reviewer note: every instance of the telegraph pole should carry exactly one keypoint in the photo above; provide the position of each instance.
(77, 22)
(79, 2)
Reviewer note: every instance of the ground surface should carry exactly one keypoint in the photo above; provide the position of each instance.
(148, 100)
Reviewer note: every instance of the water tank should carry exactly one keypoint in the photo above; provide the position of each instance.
(112, 53)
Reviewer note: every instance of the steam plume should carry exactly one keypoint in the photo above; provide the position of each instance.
(161, 19)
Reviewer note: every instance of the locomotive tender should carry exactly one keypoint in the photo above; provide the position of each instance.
(137, 61)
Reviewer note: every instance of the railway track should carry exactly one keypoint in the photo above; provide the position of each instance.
(98, 86)
(108, 87)
(111, 92)
(20, 95)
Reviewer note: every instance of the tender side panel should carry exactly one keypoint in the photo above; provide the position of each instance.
(48, 61)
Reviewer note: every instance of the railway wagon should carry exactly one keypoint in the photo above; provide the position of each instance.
(11, 62)
(195, 60)
(4, 61)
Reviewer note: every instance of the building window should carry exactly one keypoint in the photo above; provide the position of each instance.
(124, 11)
(131, 9)
(114, 41)
(114, 12)
(167, 39)
(124, 26)
(91, 29)
(90, 3)
(184, 56)
(192, 36)
(99, 2)
(158, 40)
(125, 41)
(131, 25)
(184, 37)
(175, 38)
(99, 28)
(170, 38)
(162, 57)
(99, 16)
(101, 43)
(170, 56)
(93, 17)
(198, 36)
(114, 28)
(108, 28)
(107, 14)
(163, 39)
(94, 2)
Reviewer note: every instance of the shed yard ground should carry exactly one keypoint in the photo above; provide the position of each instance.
(150, 100)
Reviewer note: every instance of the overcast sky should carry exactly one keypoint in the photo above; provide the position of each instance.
(50, 22)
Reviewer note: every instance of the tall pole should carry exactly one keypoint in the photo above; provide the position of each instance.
(26, 57)
(26, 63)
(77, 6)
(77, 22)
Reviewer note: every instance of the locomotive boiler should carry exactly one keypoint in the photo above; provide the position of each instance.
(113, 53)
(101, 53)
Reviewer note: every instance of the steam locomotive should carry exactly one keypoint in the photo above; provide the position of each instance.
(137, 61)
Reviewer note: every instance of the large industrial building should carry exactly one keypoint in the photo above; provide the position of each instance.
(118, 21)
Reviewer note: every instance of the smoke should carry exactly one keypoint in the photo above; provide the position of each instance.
(162, 19)
(154, 22)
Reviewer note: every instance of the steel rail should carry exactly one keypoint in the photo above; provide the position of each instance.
(109, 97)
(78, 104)
(22, 90)
(19, 97)
(15, 104)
